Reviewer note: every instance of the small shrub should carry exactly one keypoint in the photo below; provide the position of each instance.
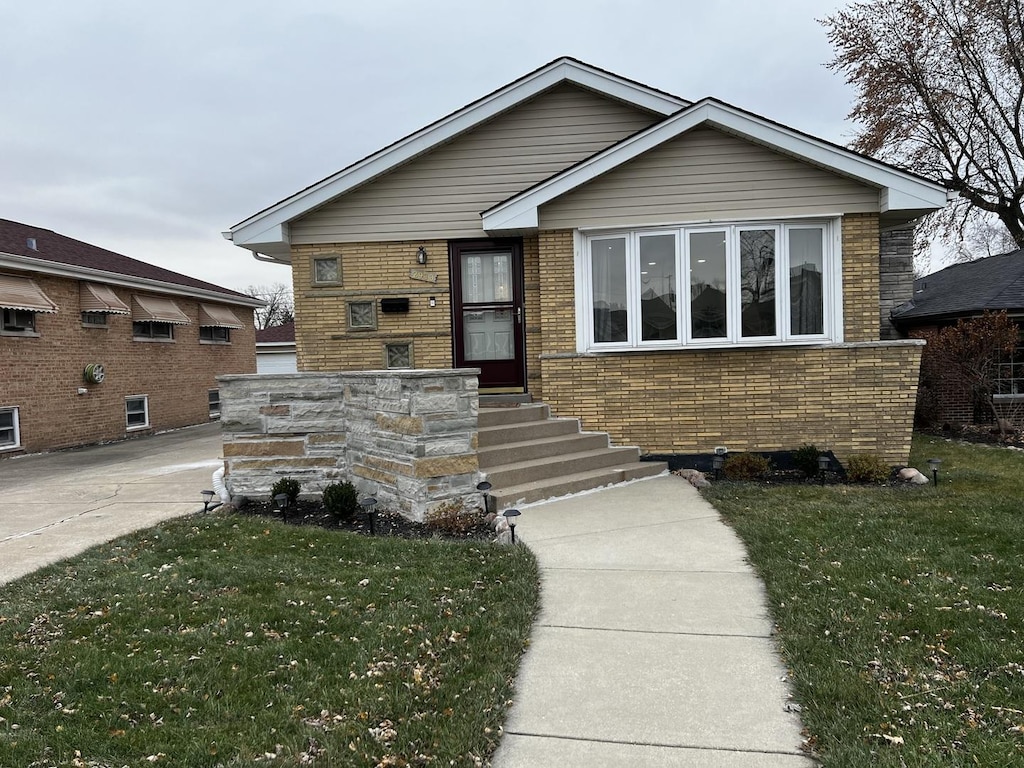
(867, 468)
(452, 517)
(746, 466)
(341, 500)
(805, 458)
(288, 486)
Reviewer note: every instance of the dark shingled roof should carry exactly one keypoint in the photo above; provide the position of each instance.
(277, 334)
(60, 249)
(992, 283)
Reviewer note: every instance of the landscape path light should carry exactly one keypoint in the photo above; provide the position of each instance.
(369, 504)
(207, 498)
(823, 464)
(283, 502)
(511, 515)
(934, 465)
(717, 462)
(483, 486)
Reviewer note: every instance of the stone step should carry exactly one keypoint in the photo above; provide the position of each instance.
(496, 417)
(511, 496)
(519, 432)
(534, 470)
(509, 453)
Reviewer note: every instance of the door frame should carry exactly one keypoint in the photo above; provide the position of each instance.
(517, 380)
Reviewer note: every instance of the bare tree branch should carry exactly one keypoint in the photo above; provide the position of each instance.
(279, 309)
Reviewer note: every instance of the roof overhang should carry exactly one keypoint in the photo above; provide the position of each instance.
(266, 232)
(902, 195)
(45, 267)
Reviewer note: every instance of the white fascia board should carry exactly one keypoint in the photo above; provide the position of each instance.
(899, 187)
(44, 267)
(442, 131)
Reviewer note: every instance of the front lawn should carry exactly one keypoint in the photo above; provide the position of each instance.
(900, 611)
(233, 641)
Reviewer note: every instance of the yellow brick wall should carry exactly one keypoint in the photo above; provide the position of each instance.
(370, 272)
(532, 307)
(861, 277)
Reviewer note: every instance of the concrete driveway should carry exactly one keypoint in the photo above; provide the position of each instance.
(56, 505)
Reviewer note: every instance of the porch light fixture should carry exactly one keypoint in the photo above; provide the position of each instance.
(933, 464)
(421, 255)
(484, 487)
(511, 515)
(207, 498)
(283, 502)
(368, 504)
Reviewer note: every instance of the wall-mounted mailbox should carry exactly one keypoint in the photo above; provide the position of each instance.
(394, 305)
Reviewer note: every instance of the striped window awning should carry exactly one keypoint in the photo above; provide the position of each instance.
(156, 310)
(219, 317)
(101, 298)
(23, 293)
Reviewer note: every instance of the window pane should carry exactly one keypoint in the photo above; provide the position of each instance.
(7, 436)
(399, 355)
(361, 314)
(488, 334)
(806, 266)
(326, 270)
(707, 285)
(658, 287)
(608, 282)
(757, 282)
(486, 277)
(135, 412)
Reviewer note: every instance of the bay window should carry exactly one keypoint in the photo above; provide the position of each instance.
(710, 285)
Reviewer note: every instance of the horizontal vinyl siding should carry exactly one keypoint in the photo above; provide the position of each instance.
(707, 174)
(441, 194)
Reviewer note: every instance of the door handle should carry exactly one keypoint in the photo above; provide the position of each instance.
(519, 315)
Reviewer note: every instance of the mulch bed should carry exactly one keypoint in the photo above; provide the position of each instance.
(385, 522)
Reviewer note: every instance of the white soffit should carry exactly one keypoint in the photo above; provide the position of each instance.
(267, 230)
(899, 190)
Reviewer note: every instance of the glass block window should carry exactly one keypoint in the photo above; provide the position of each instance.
(362, 315)
(398, 355)
(327, 269)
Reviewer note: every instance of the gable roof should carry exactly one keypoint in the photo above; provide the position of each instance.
(277, 334)
(34, 249)
(266, 232)
(990, 284)
(902, 195)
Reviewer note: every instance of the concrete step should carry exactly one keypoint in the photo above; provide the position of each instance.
(511, 496)
(524, 472)
(496, 417)
(527, 450)
(520, 432)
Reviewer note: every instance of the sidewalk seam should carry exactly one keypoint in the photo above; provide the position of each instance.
(659, 745)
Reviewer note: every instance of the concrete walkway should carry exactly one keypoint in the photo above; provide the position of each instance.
(653, 646)
(59, 504)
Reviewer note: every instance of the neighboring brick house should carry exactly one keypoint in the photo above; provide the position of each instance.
(682, 275)
(963, 291)
(97, 346)
(275, 349)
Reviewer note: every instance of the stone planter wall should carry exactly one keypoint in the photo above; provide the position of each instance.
(406, 437)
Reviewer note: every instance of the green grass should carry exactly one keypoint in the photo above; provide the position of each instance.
(900, 611)
(231, 641)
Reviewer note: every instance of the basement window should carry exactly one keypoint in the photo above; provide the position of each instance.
(10, 435)
(136, 411)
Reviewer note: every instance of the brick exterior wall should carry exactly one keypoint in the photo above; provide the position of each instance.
(42, 374)
(850, 398)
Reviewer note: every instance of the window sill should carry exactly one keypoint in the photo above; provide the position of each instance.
(215, 343)
(152, 341)
(136, 428)
(93, 327)
(712, 344)
(20, 334)
(7, 448)
(1008, 398)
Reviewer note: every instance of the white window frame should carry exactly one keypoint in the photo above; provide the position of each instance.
(145, 410)
(832, 331)
(13, 410)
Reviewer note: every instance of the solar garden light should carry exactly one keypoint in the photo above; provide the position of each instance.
(282, 502)
(717, 462)
(823, 464)
(484, 487)
(368, 504)
(934, 465)
(207, 498)
(511, 515)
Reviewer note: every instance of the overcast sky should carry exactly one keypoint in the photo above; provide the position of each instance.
(149, 128)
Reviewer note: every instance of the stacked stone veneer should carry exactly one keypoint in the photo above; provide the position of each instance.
(406, 437)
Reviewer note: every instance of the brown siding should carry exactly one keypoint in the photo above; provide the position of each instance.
(42, 374)
(441, 194)
(707, 174)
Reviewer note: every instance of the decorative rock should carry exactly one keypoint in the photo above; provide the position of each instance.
(505, 537)
(501, 526)
(490, 519)
(694, 477)
(911, 475)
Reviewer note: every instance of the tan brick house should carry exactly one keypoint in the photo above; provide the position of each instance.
(682, 275)
(97, 346)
